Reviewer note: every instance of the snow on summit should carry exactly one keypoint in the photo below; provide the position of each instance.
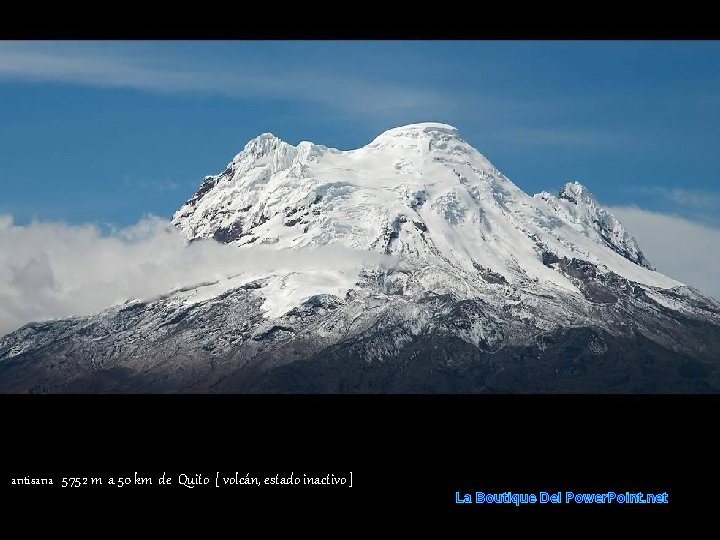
(417, 192)
(411, 134)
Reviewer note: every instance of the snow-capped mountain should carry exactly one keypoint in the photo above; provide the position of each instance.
(467, 284)
(418, 192)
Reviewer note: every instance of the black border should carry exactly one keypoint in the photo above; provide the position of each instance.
(409, 454)
(496, 20)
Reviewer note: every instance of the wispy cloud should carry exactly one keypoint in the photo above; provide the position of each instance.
(344, 94)
(103, 67)
(564, 137)
(691, 198)
(681, 248)
(150, 185)
(699, 205)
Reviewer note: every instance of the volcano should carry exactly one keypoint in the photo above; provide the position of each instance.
(464, 284)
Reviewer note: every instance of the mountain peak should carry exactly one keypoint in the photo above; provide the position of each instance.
(261, 146)
(578, 206)
(576, 192)
(411, 135)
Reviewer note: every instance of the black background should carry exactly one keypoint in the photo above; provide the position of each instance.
(409, 454)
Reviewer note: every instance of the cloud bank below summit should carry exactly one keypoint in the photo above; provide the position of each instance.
(55, 270)
(678, 247)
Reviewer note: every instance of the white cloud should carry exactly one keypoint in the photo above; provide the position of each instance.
(682, 249)
(54, 270)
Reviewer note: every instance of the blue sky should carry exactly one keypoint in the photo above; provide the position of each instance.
(109, 132)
